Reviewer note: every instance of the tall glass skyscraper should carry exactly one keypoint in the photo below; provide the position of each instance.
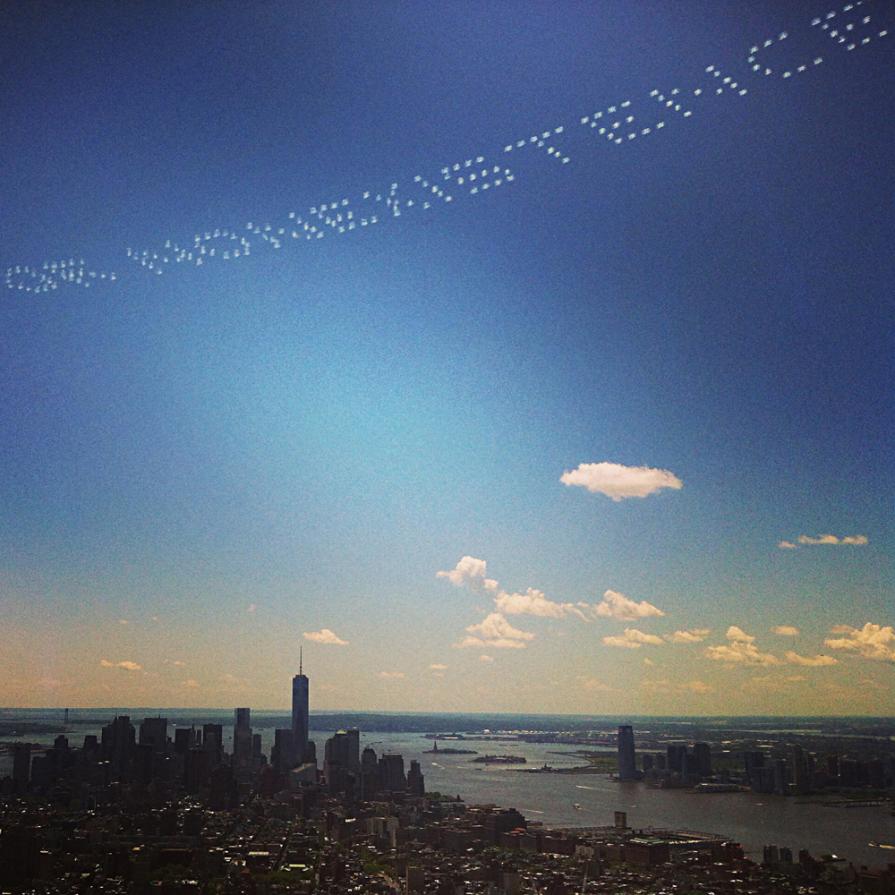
(300, 713)
(627, 764)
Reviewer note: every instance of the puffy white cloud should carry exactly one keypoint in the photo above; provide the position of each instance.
(786, 630)
(469, 572)
(472, 572)
(826, 540)
(617, 605)
(391, 675)
(126, 664)
(533, 602)
(696, 635)
(741, 650)
(872, 641)
(817, 661)
(620, 482)
(325, 636)
(738, 635)
(632, 639)
(495, 632)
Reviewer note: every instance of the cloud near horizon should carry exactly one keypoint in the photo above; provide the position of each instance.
(818, 661)
(126, 664)
(786, 631)
(594, 685)
(632, 639)
(696, 635)
(619, 482)
(871, 642)
(665, 687)
(617, 605)
(326, 637)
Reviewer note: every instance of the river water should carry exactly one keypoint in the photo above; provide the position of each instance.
(581, 800)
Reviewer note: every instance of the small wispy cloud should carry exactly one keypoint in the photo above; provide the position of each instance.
(632, 639)
(126, 664)
(437, 666)
(617, 605)
(664, 687)
(818, 661)
(871, 642)
(786, 630)
(594, 685)
(326, 637)
(696, 635)
(486, 660)
(391, 675)
(619, 482)
(252, 608)
(190, 683)
(827, 540)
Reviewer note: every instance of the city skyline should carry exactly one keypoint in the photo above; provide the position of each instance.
(610, 437)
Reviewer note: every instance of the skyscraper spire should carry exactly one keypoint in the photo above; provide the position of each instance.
(300, 716)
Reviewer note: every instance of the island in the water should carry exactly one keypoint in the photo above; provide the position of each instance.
(450, 752)
(500, 759)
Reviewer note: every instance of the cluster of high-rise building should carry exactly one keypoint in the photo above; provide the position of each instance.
(785, 770)
(195, 760)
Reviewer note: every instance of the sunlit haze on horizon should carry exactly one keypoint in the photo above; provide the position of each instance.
(502, 357)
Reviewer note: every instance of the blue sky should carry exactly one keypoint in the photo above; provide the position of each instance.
(232, 456)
